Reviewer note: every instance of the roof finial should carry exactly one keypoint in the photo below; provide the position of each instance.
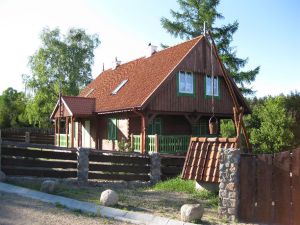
(103, 67)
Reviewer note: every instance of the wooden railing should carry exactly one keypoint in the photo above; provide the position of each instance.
(169, 144)
(62, 140)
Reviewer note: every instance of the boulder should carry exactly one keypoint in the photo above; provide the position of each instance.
(191, 212)
(109, 198)
(2, 176)
(48, 186)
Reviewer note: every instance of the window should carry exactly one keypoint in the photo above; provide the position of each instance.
(112, 128)
(208, 86)
(119, 87)
(185, 83)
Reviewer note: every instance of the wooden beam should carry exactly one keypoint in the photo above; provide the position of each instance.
(67, 131)
(72, 132)
(58, 131)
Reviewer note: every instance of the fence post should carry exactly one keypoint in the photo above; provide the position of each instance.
(229, 183)
(27, 137)
(155, 168)
(2, 175)
(82, 164)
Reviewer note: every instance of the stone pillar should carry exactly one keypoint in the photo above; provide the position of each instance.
(229, 183)
(82, 164)
(27, 137)
(155, 168)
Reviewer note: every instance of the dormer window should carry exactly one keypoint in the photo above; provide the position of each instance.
(185, 83)
(119, 87)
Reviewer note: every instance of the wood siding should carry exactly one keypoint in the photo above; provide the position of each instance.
(198, 62)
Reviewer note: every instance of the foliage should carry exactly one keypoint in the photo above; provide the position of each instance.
(271, 126)
(227, 128)
(188, 23)
(12, 109)
(62, 62)
(124, 145)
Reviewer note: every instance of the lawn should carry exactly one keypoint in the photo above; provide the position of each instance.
(162, 199)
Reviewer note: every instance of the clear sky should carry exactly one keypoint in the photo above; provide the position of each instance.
(268, 35)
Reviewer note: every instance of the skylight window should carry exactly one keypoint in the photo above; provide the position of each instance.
(119, 87)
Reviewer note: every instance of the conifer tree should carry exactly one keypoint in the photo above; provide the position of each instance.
(188, 23)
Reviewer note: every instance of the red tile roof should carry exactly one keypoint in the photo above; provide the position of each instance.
(79, 105)
(144, 76)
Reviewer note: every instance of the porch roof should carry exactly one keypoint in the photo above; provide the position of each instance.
(74, 106)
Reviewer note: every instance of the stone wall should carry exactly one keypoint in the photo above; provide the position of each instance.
(229, 183)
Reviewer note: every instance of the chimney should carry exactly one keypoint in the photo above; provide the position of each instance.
(150, 50)
(116, 63)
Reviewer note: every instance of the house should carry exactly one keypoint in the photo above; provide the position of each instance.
(155, 102)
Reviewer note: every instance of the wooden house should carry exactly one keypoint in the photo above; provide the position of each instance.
(156, 102)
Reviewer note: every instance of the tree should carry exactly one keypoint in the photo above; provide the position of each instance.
(272, 131)
(63, 62)
(12, 109)
(188, 23)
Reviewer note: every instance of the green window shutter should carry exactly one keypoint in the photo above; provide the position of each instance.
(112, 128)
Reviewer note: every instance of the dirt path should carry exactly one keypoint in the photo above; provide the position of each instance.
(16, 210)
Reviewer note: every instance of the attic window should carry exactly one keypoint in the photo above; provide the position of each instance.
(119, 87)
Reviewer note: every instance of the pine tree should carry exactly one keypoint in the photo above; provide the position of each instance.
(188, 23)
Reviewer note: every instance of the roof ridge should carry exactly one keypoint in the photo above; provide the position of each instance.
(68, 96)
(170, 47)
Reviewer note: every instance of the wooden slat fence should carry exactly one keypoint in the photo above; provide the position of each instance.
(270, 188)
(37, 135)
(117, 166)
(202, 159)
(171, 166)
(39, 162)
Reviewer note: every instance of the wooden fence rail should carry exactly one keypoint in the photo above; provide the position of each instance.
(119, 167)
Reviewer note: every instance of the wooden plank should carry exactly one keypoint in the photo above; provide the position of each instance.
(119, 168)
(125, 177)
(171, 170)
(38, 163)
(263, 212)
(34, 172)
(119, 159)
(38, 153)
(247, 187)
(296, 186)
(281, 188)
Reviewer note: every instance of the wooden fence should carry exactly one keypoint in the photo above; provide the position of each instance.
(171, 166)
(270, 188)
(36, 135)
(116, 166)
(39, 162)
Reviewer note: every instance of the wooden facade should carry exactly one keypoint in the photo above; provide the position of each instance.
(164, 109)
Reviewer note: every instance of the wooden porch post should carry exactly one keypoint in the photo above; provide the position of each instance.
(67, 131)
(58, 131)
(143, 129)
(72, 132)
(131, 141)
(55, 130)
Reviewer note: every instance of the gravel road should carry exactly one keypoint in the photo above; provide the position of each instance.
(16, 210)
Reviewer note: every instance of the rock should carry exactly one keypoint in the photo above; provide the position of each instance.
(2, 176)
(48, 186)
(191, 212)
(109, 198)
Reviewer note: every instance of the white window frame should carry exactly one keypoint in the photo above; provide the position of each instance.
(186, 83)
(208, 83)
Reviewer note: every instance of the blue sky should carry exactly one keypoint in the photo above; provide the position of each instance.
(268, 34)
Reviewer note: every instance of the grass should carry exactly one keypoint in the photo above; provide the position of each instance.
(188, 186)
(162, 199)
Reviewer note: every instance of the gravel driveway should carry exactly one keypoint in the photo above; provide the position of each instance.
(16, 210)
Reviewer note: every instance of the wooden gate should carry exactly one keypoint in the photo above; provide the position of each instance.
(270, 188)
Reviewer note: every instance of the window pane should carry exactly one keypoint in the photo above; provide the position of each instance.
(208, 85)
(186, 83)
